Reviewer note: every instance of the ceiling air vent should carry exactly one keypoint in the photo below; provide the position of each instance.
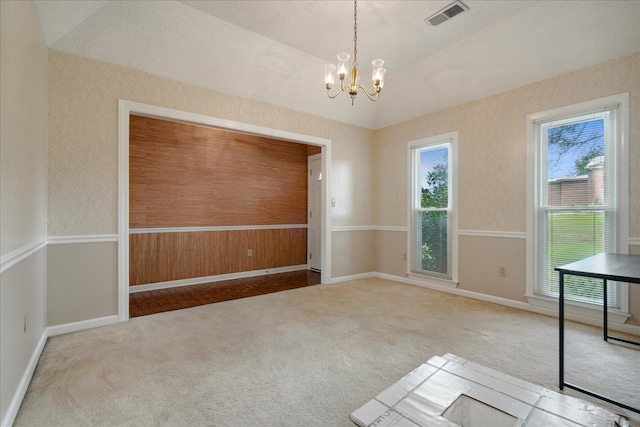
(447, 13)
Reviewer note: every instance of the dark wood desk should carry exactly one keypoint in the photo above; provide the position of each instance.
(605, 266)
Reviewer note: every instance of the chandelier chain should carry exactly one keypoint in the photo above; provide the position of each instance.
(355, 33)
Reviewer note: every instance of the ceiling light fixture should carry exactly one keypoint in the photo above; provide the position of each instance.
(343, 59)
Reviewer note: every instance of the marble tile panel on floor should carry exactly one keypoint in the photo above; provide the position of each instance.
(451, 391)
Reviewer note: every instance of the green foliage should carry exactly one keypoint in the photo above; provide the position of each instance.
(582, 162)
(434, 241)
(427, 257)
(575, 236)
(436, 194)
(434, 224)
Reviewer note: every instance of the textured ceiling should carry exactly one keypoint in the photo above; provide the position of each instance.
(275, 51)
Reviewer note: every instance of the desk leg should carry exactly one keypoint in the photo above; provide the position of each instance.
(604, 314)
(561, 329)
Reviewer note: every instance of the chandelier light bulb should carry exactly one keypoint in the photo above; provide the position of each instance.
(343, 64)
(377, 75)
(329, 75)
(377, 66)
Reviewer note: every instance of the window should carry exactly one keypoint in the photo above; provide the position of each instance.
(578, 196)
(432, 246)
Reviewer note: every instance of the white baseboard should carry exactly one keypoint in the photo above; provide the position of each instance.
(218, 278)
(82, 325)
(14, 406)
(354, 277)
(629, 329)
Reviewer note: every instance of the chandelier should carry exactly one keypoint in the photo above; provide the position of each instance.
(353, 85)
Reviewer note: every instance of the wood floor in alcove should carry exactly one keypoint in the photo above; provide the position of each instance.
(161, 300)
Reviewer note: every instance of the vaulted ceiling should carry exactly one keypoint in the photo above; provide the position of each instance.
(275, 51)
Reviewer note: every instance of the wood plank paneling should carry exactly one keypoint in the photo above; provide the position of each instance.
(183, 175)
(313, 149)
(161, 257)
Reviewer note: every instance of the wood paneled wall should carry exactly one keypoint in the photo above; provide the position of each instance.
(313, 149)
(161, 257)
(183, 175)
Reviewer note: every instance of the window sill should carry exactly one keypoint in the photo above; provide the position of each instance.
(421, 279)
(579, 309)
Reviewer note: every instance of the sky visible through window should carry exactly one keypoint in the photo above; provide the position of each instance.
(582, 140)
(429, 159)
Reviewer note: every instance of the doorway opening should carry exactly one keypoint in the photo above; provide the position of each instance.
(126, 110)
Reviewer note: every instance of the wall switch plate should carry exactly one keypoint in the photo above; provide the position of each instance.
(250, 252)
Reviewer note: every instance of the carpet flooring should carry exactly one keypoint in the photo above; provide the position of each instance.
(303, 357)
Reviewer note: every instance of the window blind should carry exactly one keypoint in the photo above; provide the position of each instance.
(577, 203)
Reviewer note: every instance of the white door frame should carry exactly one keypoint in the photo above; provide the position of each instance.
(126, 108)
(311, 183)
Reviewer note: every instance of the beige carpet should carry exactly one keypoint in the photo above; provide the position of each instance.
(304, 357)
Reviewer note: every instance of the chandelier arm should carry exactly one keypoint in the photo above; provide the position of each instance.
(336, 94)
(371, 96)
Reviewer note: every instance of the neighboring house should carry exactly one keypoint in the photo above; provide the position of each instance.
(580, 190)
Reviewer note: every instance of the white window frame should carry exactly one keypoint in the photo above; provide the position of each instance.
(414, 199)
(587, 310)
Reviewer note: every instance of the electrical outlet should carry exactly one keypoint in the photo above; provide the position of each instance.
(502, 271)
(26, 324)
(250, 252)
(404, 256)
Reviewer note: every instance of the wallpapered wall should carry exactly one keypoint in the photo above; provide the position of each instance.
(83, 144)
(24, 128)
(492, 158)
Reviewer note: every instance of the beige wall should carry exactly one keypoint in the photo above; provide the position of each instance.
(481, 257)
(23, 169)
(24, 320)
(82, 282)
(492, 171)
(391, 256)
(352, 252)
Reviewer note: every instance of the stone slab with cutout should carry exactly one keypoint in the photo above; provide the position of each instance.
(449, 391)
